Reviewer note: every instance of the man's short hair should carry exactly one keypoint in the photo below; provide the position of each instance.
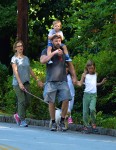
(56, 37)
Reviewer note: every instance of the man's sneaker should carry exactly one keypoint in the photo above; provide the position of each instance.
(50, 62)
(17, 119)
(70, 120)
(23, 124)
(54, 127)
(62, 126)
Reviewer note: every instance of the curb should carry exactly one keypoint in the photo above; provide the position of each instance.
(72, 127)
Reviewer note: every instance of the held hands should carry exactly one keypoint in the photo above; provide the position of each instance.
(74, 80)
(40, 84)
(79, 83)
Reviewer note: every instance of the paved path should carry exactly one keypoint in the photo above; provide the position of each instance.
(13, 137)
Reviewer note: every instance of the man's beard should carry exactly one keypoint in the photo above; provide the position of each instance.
(57, 46)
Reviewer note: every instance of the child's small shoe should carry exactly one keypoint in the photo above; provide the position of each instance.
(70, 120)
(50, 62)
(67, 58)
(94, 128)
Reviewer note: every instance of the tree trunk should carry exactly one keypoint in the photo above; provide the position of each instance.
(22, 22)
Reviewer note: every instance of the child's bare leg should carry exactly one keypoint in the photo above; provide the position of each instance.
(49, 49)
(67, 57)
(65, 49)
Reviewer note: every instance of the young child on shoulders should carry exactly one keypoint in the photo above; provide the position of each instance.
(57, 25)
(89, 79)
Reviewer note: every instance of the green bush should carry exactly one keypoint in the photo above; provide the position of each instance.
(106, 121)
(3, 79)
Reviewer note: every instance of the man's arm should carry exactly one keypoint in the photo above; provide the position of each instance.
(44, 58)
(73, 73)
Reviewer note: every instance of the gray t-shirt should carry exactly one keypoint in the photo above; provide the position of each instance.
(23, 66)
(57, 70)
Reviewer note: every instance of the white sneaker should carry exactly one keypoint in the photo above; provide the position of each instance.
(50, 62)
(23, 124)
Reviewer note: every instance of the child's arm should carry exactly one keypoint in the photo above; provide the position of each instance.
(80, 83)
(50, 37)
(60, 34)
(102, 82)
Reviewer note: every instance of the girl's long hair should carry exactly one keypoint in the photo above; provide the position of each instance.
(88, 64)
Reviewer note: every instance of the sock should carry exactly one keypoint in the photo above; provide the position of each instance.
(67, 56)
(62, 119)
(53, 121)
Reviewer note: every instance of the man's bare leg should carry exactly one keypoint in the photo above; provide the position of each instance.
(64, 112)
(53, 125)
(52, 110)
(64, 108)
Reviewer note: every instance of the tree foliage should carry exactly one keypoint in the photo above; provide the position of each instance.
(93, 25)
(8, 16)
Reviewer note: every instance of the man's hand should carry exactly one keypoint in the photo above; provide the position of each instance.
(74, 80)
(60, 52)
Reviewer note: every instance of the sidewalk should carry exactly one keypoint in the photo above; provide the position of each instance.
(73, 127)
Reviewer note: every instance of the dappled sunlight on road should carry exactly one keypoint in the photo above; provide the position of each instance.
(7, 147)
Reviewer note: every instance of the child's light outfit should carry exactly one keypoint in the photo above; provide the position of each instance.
(72, 91)
(52, 32)
(89, 98)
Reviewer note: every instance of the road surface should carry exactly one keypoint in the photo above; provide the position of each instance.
(13, 137)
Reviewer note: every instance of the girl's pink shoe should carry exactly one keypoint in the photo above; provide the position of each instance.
(70, 120)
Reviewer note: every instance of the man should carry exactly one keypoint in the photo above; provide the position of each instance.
(56, 80)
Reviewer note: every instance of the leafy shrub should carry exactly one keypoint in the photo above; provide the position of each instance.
(3, 78)
(106, 121)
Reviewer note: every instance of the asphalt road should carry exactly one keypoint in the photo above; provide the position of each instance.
(13, 137)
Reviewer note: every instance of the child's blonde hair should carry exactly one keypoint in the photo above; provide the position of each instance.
(88, 64)
(57, 21)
